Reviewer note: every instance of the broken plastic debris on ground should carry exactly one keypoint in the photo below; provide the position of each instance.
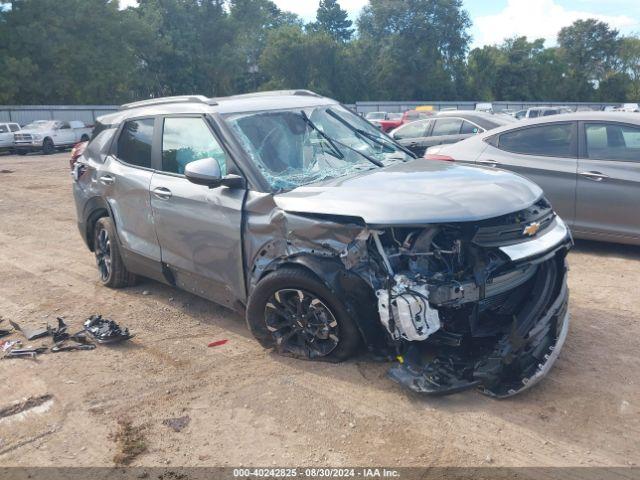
(104, 330)
(95, 327)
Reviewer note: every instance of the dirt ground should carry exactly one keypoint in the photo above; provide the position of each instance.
(247, 406)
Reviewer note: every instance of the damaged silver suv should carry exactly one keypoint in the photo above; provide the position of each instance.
(330, 236)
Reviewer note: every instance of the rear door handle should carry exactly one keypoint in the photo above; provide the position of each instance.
(162, 193)
(107, 180)
(489, 163)
(595, 176)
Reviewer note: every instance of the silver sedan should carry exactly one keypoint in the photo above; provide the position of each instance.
(588, 164)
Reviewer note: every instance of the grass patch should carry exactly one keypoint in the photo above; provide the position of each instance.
(130, 442)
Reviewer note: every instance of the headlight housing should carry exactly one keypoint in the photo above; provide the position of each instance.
(37, 137)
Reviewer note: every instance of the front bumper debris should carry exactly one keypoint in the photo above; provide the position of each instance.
(517, 360)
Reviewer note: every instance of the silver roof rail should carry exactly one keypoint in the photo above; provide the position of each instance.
(272, 93)
(169, 100)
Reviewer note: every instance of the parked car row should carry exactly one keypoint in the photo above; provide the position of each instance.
(587, 163)
(446, 127)
(44, 136)
(389, 121)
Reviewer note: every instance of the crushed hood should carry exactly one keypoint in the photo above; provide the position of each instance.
(418, 192)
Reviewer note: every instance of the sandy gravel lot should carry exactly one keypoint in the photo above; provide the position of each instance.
(247, 406)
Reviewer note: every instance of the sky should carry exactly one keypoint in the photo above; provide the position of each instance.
(497, 20)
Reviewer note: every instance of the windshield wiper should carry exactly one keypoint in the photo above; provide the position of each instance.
(383, 142)
(313, 126)
(333, 142)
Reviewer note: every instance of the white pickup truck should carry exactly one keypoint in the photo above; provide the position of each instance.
(6, 135)
(49, 135)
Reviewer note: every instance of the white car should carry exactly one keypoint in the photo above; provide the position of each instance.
(6, 135)
(49, 135)
(629, 107)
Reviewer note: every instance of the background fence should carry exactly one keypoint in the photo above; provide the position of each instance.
(23, 114)
(364, 107)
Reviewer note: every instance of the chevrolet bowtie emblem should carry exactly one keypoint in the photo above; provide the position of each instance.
(531, 229)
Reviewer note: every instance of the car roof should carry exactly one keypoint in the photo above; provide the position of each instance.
(483, 119)
(586, 116)
(253, 102)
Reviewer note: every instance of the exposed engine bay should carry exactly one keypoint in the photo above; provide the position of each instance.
(460, 311)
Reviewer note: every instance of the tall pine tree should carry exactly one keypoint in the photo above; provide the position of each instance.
(333, 20)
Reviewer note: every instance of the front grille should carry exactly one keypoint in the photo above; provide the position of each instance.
(23, 137)
(510, 229)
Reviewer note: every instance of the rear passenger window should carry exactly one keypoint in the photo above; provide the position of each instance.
(412, 130)
(134, 143)
(613, 142)
(469, 128)
(447, 126)
(185, 140)
(555, 140)
(4, 129)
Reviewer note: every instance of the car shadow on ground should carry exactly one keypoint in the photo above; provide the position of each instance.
(607, 249)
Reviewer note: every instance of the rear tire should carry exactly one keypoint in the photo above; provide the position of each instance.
(111, 270)
(48, 147)
(292, 311)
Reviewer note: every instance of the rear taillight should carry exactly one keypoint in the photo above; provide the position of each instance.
(435, 156)
(77, 150)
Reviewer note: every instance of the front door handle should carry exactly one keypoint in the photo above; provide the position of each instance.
(489, 163)
(595, 176)
(107, 180)
(162, 193)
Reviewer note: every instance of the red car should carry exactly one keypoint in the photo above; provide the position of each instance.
(393, 122)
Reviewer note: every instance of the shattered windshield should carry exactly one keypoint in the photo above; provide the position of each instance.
(301, 146)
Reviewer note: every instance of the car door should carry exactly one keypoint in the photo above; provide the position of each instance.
(64, 134)
(546, 154)
(447, 130)
(609, 180)
(6, 137)
(414, 136)
(199, 228)
(124, 180)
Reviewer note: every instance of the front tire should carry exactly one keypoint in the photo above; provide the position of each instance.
(111, 270)
(292, 311)
(48, 147)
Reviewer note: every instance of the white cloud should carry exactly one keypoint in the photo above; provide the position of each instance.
(535, 19)
(128, 3)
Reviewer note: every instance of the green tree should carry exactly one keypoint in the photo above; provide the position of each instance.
(615, 88)
(589, 48)
(333, 20)
(295, 59)
(481, 72)
(186, 47)
(252, 21)
(66, 51)
(630, 64)
(416, 48)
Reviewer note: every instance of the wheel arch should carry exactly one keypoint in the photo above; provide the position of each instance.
(95, 209)
(357, 295)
